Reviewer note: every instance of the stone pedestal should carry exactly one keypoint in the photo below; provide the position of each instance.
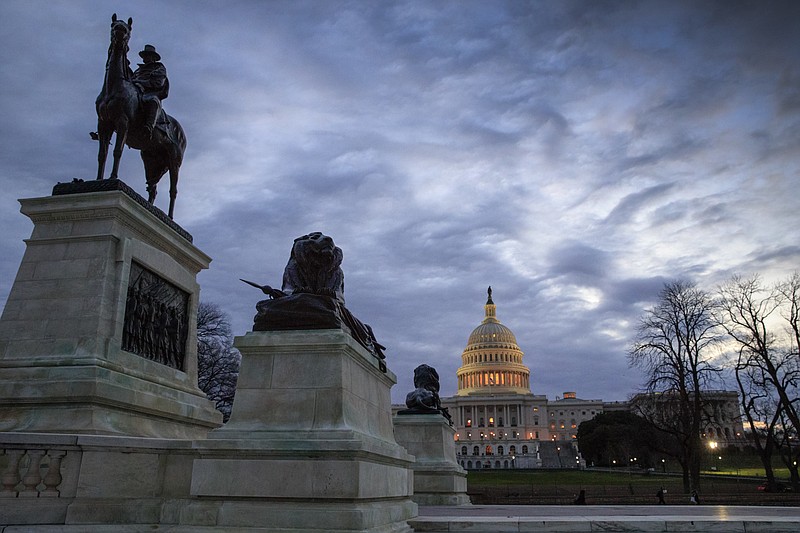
(438, 478)
(310, 448)
(309, 445)
(62, 364)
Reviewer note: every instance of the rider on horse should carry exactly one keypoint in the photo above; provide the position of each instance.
(151, 78)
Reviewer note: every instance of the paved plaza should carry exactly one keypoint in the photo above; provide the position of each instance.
(523, 518)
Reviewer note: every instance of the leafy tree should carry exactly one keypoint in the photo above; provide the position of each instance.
(673, 345)
(618, 435)
(217, 360)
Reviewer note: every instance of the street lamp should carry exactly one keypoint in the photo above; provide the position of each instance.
(664, 465)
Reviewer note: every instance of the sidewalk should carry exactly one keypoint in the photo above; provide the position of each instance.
(558, 518)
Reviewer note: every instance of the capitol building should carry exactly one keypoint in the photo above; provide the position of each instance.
(500, 423)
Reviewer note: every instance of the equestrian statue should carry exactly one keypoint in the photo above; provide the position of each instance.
(130, 106)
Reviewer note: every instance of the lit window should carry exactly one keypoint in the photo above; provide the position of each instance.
(469, 422)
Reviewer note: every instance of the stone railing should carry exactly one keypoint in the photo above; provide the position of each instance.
(28, 472)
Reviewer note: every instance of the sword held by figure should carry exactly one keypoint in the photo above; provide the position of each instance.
(266, 289)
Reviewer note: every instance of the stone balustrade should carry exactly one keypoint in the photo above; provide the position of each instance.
(30, 472)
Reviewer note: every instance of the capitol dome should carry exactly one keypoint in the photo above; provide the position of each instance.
(492, 361)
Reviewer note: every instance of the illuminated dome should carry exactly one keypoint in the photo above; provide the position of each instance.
(491, 331)
(492, 361)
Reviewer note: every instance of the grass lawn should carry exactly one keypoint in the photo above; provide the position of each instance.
(780, 472)
(532, 487)
(741, 465)
(557, 477)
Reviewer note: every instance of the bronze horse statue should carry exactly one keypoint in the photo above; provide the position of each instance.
(119, 110)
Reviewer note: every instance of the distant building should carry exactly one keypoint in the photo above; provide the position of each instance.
(500, 423)
(722, 426)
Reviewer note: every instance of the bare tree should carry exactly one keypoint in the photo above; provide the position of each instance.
(790, 290)
(217, 360)
(673, 345)
(761, 409)
(767, 365)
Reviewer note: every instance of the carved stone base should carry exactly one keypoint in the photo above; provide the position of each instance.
(62, 366)
(304, 311)
(438, 479)
(297, 312)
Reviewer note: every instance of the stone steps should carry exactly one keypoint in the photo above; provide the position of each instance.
(553, 518)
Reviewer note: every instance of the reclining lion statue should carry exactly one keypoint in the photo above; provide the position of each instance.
(424, 399)
(312, 295)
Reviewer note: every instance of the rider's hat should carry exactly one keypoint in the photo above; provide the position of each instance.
(149, 49)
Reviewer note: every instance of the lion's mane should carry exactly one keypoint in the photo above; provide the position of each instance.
(315, 267)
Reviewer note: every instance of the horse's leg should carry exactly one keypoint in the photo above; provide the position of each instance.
(150, 176)
(104, 133)
(173, 186)
(119, 146)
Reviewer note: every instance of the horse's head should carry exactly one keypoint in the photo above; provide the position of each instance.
(120, 31)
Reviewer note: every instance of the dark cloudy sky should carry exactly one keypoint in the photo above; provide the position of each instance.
(573, 154)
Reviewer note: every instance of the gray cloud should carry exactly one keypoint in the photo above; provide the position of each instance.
(574, 155)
